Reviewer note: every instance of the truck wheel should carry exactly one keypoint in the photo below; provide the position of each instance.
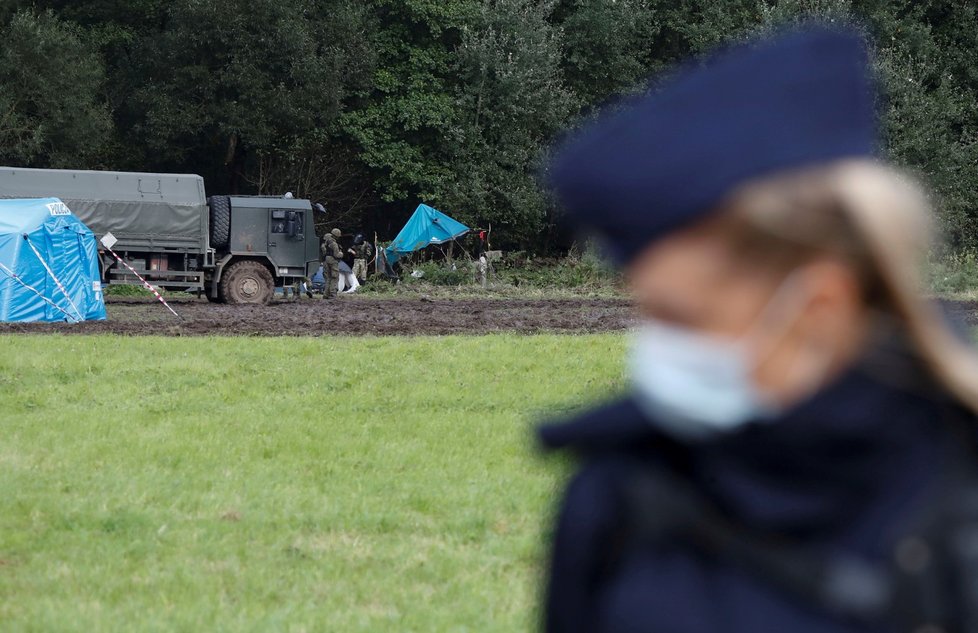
(220, 215)
(247, 282)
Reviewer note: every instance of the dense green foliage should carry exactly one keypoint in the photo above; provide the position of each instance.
(184, 494)
(373, 105)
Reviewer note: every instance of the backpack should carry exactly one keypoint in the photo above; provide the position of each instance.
(366, 251)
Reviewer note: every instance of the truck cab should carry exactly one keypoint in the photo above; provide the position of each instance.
(277, 234)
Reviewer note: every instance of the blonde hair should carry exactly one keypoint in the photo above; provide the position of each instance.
(875, 219)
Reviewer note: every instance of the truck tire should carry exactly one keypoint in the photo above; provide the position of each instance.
(220, 215)
(247, 282)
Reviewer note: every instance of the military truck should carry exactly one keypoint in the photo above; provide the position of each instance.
(233, 249)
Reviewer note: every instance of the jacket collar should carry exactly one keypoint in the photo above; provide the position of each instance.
(617, 424)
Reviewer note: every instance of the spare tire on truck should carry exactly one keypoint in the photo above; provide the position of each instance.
(247, 282)
(220, 216)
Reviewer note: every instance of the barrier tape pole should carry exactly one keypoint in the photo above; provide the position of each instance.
(145, 283)
(23, 283)
(56, 280)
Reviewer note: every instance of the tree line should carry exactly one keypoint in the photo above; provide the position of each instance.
(371, 106)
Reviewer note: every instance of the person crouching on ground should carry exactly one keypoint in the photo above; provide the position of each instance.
(795, 406)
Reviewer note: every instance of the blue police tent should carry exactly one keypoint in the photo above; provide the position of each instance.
(426, 226)
(48, 264)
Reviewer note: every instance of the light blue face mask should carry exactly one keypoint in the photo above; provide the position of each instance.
(695, 386)
(692, 385)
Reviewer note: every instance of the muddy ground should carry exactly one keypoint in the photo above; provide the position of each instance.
(372, 316)
(964, 313)
(349, 316)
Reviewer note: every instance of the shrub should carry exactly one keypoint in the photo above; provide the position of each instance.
(126, 290)
(442, 274)
(587, 270)
(954, 272)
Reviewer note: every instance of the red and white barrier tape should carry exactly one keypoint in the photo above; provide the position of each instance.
(56, 280)
(23, 283)
(145, 283)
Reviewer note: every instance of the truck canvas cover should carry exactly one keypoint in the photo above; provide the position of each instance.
(144, 211)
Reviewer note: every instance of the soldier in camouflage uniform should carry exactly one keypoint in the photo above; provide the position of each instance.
(332, 254)
(363, 252)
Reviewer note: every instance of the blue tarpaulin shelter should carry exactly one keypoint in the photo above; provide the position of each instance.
(48, 264)
(426, 226)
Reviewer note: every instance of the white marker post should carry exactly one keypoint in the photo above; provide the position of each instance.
(108, 241)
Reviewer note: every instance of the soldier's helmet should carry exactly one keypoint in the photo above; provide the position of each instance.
(358, 240)
(336, 233)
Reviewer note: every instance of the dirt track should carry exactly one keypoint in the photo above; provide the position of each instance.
(377, 316)
(350, 316)
(964, 313)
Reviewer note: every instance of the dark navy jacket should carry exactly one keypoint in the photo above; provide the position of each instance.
(843, 472)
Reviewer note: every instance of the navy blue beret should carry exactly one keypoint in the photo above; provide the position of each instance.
(670, 157)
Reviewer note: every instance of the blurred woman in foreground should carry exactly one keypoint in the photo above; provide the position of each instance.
(797, 410)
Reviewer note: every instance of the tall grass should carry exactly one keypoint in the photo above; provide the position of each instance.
(517, 274)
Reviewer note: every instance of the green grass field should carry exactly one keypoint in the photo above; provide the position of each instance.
(239, 484)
